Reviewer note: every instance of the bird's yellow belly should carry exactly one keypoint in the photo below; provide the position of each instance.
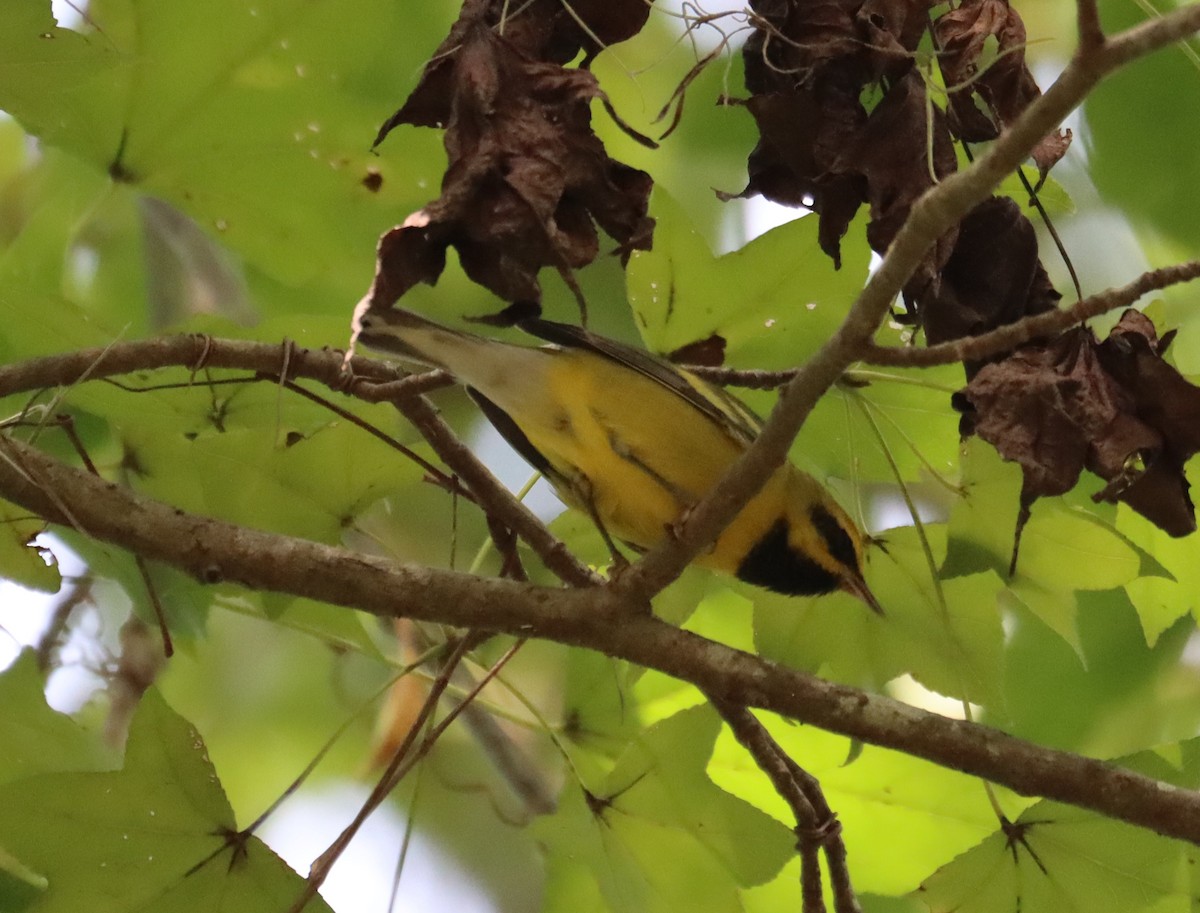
(639, 460)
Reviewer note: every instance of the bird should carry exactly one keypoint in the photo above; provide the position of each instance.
(636, 441)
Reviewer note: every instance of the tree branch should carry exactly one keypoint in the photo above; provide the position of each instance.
(1087, 19)
(1005, 338)
(213, 550)
(366, 379)
(816, 824)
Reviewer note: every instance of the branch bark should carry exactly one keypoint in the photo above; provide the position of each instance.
(595, 618)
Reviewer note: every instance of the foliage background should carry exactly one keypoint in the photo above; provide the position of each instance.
(200, 167)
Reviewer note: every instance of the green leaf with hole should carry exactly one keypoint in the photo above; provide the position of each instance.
(37, 739)
(21, 559)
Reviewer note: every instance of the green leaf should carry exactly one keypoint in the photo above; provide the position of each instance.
(339, 628)
(1053, 196)
(167, 95)
(983, 521)
(608, 703)
(1139, 124)
(709, 145)
(37, 739)
(940, 812)
(1063, 549)
(131, 840)
(656, 834)
(1161, 601)
(1106, 696)
(308, 484)
(907, 409)
(38, 316)
(1060, 545)
(1072, 859)
(599, 721)
(773, 302)
(1054, 606)
(1075, 550)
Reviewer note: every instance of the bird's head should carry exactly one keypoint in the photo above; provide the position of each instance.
(813, 548)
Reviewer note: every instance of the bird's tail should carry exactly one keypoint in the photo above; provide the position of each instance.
(409, 335)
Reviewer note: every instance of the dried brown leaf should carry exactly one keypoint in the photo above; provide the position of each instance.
(527, 180)
(1114, 408)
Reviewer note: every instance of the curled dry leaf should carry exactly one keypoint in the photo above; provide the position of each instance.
(983, 59)
(807, 66)
(1115, 408)
(527, 181)
(992, 277)
(894, 156)
(708, 352)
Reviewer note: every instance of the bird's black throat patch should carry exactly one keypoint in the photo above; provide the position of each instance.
(773, 563)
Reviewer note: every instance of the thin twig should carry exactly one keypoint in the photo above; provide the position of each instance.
(493, 496)
(769, 757)
(321, 866)
(508, 758)
(78, 593)
(367, 379)
(1005, 338)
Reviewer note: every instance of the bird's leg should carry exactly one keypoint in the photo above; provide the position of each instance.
(583, 485)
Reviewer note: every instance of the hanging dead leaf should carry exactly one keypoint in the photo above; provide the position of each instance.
(992, 277)
(527, 180)
(983, 62)
(1114, 408)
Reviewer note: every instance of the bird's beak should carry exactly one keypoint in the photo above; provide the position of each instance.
(856, 586)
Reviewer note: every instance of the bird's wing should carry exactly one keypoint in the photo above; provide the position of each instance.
(730, 413)
(512, 433)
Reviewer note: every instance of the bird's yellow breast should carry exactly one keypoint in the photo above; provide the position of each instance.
(637, 454)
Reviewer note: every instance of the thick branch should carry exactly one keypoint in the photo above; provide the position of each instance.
(931, 217)
(594, 618)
